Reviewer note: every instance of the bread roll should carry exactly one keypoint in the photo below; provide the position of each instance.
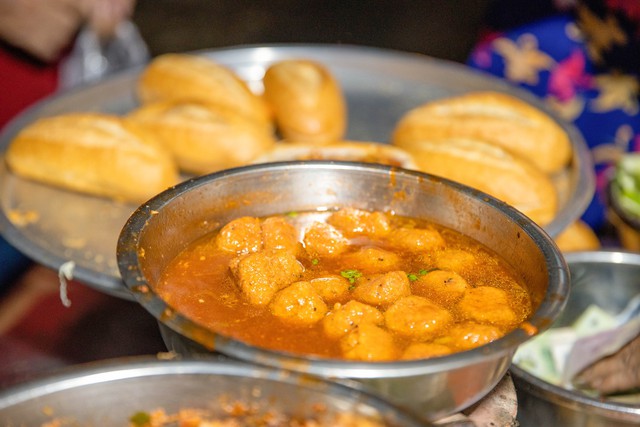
(493, 117)
(351, 151)
(578, 236)
(307, 101)
(202, 137)
(493, 170)
(92, 153)
(175, 76)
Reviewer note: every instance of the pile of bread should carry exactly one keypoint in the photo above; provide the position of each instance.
(196, 116)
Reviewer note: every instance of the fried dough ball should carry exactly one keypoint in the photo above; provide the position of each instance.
(331, 288)
(578, 236)
(373, 260)
(468, 335)
(424, 350)
(261, 274)
(354, 222)
(417, 317)
(298, 304)
(486, 304)
(241, 236)
(443, 286)
(416, 239)
(277, 233)
(345, 317)
(368, 342)
(383, 289)
(322, 239)
(457, 260)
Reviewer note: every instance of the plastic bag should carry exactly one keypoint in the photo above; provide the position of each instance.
(92, 59)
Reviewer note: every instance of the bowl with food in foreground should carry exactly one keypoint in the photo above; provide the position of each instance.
(313, 266)
(144, 391)
(601, 316)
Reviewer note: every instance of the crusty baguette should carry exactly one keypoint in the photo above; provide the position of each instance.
(353, 151)
(307, 101)
(578, 236)
(92, 153)
(176, 76)
(493, 170)
(203, 137)
(494, 117)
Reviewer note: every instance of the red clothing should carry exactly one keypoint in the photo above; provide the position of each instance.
(23, 81)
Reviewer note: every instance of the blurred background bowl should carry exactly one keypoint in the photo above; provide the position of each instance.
(162, 227)
(608, 279)
(627, 226)
(108, 393)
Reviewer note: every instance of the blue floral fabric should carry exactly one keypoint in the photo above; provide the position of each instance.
(552, 59)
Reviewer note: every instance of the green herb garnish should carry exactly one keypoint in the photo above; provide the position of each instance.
(415, 276)
(351, 275)
(140, 419)
(315, 261)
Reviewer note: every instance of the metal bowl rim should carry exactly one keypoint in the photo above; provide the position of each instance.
(567, 398)
(138, 367)
(503, 347)
(604, 256)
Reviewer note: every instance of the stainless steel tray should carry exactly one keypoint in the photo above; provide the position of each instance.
(54, 226)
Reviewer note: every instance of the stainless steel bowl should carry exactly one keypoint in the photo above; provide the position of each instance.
(108, 393)
(432, 388)
(609, 279)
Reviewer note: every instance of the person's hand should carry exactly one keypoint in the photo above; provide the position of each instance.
(44, 28)
(616, 373)
(105, 15)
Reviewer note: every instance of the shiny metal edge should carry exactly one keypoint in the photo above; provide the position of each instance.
(140, 367)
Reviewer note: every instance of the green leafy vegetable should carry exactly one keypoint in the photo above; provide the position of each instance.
(415, 276)
(351, 275)
(626, 184)
(140, 419)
